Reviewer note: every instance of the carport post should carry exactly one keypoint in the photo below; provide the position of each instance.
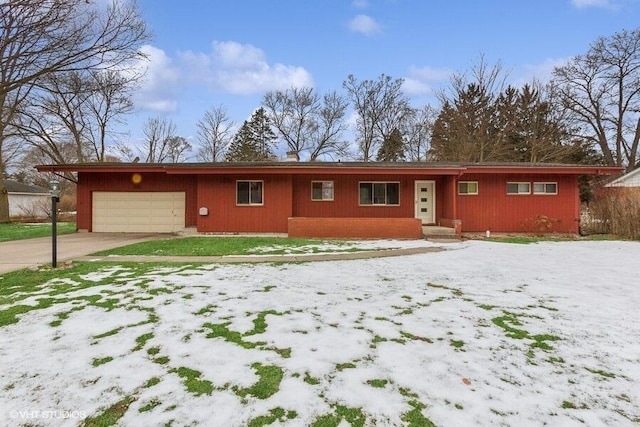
(54, 189)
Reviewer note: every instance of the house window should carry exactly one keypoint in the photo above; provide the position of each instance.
(379, 193)
(545, 188)
(468, 187)
(518, 188)
(249, 192)
(322, 190)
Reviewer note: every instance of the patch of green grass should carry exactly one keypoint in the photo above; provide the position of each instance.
(108, 333)
(354, 416)
(151, 382)
(507, 322)
(275, 414)
(102, 361)
(343, 366)
(410, 336)
(414, 417)
(19, 231)
(217, 246)
(459, 406)
(149, 406)
(142, 340)
(378, 383)
(269, 378)
(310, 380)
(193, 382)
(221, 330)
(487, 307)
(111, 415)
(568, 405)
(153, 351)
(456, 343)
(162, 360)
(601, 373)
(209, 309)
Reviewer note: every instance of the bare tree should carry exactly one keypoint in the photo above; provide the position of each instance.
(214, 134)
(158, 132)
(418, 131)
(307, 122)
(177, 150)
(381, 107)
(602, 91)
(39, 39)
(79, 108)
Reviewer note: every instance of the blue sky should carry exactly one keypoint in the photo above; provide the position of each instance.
(208, 53)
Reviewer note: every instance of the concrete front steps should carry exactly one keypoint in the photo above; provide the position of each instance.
(432, 232)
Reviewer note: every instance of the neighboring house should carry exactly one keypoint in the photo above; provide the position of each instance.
(631, 179)
(318, 199)
(27, 200)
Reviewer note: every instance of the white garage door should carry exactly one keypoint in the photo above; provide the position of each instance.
(138, 212)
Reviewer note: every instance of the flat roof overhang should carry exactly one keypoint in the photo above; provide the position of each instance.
(333, 168)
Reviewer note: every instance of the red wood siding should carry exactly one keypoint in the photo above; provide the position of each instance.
(90, 182)
(493, 209)
(346, 197)
(218, 195)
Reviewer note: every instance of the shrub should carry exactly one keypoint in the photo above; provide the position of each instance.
(615, 211)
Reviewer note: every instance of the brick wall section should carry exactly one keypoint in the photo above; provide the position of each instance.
(366, 228)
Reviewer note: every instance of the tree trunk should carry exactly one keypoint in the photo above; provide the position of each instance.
(4, 203)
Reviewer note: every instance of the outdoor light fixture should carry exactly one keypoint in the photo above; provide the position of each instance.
(54, 189)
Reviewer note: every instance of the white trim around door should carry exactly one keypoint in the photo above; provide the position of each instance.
(425, 201)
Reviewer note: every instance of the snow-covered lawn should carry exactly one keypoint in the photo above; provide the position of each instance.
(479, 334)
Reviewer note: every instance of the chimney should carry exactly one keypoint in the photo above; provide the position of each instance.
(292, 156)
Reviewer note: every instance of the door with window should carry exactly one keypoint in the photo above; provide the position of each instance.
(425, 201)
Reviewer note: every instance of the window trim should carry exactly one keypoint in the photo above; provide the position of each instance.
(519, 193)
(261, 192)
(468, 193)
(322, 191)
(385, 196)
(545, 192)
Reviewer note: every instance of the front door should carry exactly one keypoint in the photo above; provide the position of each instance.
(425, 201)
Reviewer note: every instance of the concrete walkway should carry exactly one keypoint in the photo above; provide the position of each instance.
(30, 253)
(265, 258)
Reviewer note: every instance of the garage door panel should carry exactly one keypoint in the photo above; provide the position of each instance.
(144, 212)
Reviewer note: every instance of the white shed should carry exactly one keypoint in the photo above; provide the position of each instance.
(631, 179)
(27, 200)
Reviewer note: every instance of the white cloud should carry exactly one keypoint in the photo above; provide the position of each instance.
(159, 81)
(420, 80)
(365, 24)
(541, 72)
(360, 4)
(241, 69)
(580, 4)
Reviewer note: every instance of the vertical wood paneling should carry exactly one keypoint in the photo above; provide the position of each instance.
(89, 182)
(218, 194)
(492, 209)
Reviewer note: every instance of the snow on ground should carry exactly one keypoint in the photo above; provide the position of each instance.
(479, 334)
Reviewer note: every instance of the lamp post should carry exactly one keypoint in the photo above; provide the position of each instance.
(54, 189)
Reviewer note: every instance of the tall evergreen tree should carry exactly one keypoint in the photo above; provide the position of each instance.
(254, 141)
(392, 148)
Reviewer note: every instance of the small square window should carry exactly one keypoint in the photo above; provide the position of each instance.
(468, 187)
(249, 192)
(545, 188)
(518, 188)
(322, 190)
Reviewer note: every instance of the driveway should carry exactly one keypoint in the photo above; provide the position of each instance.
(19, 254)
